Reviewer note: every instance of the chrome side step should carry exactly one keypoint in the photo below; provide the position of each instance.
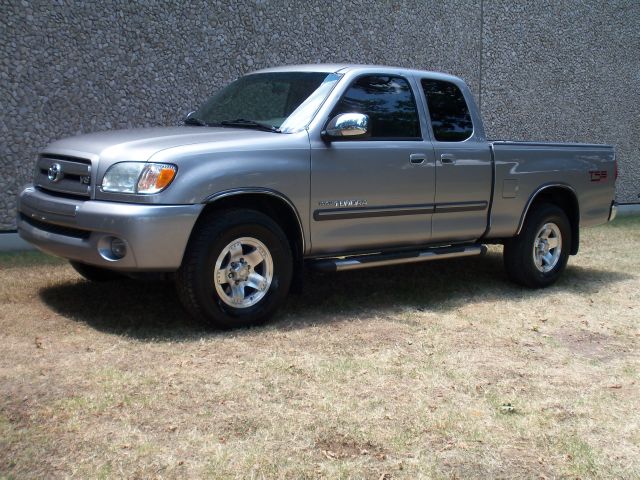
(356, 262)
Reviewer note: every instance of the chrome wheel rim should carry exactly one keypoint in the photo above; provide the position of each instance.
(243, 272)
(547, 247)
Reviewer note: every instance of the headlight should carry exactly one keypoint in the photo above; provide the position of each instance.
(138, 177)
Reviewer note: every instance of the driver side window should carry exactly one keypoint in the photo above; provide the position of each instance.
(390, 104)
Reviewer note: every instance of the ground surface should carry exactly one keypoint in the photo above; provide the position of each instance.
(442, 370)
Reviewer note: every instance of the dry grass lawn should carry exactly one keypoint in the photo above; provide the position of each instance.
(440, 370)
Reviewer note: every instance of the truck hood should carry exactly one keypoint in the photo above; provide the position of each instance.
(142, 143)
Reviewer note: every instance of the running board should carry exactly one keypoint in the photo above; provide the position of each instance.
(356, 262)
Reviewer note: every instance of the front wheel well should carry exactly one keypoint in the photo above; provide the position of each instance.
(567, 201)
(281, 211)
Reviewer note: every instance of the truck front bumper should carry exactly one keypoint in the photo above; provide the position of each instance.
(147, 237)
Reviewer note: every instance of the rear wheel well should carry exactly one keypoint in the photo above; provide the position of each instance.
(274, 207)
(567, 201)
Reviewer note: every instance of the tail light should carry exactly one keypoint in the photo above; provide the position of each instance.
(615, 166)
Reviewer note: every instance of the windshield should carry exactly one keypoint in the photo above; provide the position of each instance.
(282, 101)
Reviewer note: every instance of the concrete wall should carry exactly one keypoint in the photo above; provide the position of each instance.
(559, 71)
(566, 71)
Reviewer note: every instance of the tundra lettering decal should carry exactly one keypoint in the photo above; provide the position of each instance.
(342, 203)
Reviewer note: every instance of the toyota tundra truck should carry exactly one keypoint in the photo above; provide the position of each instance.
(333, 167)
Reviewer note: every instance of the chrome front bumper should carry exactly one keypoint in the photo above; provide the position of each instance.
(155, 235)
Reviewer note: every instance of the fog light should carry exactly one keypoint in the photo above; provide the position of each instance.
(118, 248)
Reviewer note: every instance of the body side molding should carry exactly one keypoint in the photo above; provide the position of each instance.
(396, 210)
(369, 212)
(461, 207)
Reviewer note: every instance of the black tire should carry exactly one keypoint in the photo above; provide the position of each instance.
(95, 274)
(196, 280)
(519, 251)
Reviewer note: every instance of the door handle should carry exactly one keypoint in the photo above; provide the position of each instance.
(448, 159)
(417, 158)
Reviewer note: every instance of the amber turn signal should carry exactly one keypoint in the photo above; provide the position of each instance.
(155, 177)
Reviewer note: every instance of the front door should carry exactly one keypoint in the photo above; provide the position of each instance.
(379, 190)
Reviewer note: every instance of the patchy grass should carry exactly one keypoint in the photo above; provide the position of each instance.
(440, 370)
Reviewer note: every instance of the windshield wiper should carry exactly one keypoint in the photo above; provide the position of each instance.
(194, 121)
(243, 122)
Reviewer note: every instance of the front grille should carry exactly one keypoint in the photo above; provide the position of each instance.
(56, 229)
(61, 194)
(70, 176)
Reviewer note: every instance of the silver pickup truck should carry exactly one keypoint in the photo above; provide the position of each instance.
(336, 167)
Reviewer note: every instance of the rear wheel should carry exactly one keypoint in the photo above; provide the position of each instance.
(237, 269)
(538, 256)
(95, 274)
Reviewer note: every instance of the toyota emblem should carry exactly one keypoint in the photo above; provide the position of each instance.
(55, 172)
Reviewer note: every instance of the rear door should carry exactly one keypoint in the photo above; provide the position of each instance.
(375, 191)
(462, 163)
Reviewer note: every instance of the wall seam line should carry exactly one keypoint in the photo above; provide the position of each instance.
(481, 55)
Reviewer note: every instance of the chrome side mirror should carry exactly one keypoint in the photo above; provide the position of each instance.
(354, 125)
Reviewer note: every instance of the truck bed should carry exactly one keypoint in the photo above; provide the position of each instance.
(522, 168)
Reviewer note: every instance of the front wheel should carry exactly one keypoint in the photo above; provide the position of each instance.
(538, 256)
(237, 269)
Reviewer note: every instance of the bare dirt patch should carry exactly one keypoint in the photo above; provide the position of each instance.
(340, 447)
(591, 344)
(454, 374)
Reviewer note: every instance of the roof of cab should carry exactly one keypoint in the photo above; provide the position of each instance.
(346, 67)
(312, 67)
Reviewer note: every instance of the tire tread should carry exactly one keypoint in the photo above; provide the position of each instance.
(212, 225)
(517, 251)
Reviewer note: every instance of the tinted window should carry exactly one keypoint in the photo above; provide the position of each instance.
(450, 117)
(389, 103)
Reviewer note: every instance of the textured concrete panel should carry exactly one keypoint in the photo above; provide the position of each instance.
(550, 70)
(566, 71)
(97, 65)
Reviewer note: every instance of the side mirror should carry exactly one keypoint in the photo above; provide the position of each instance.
(189, 115)
(347, 125)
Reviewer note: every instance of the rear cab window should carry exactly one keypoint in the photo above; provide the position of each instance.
(389, 102)
(448, 111)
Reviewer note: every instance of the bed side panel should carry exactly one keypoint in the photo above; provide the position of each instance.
(522, 169)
